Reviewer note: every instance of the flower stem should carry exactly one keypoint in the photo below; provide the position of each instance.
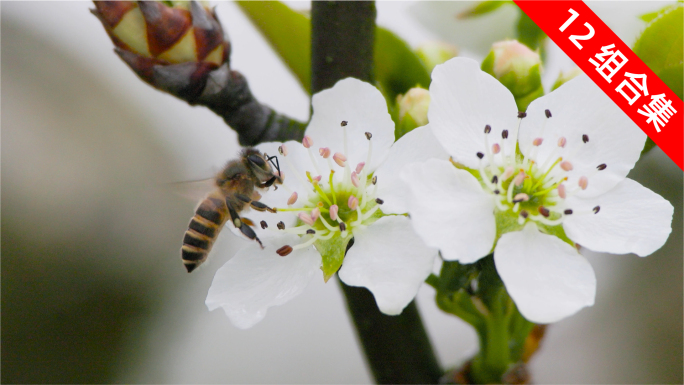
(397, 348)
(494, 357)
(504, 334)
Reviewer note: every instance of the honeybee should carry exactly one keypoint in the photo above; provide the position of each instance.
(236, 188)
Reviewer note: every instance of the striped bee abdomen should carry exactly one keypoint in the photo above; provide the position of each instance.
(202, 231)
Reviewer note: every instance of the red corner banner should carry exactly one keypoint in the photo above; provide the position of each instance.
(612, 65)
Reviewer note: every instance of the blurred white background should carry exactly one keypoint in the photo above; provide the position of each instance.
(93, 289)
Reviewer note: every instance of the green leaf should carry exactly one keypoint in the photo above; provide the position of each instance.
(481, 8)
(332, 251)
(660, 46)
(397, 67)
(648, 17)
(288, 32)
(673, 78)
(529, 33)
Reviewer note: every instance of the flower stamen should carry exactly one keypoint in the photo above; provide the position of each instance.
(306, 218)
(340, 159)
(293, 199)
(285, 250)
(332, 187)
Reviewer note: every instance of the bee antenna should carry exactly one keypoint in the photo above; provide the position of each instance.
(276, 164)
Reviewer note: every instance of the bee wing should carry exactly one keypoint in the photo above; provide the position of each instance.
(193, 190)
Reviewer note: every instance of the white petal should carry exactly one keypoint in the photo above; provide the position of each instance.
(389, 259)
(631, 219)
(416, 146)
(255, 279)
(364, 109)
(579, 107)
(546, 277)
(450, 211)
(463, 100)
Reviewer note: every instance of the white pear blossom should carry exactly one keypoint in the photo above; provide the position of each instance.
(341, 183)
(565, 185)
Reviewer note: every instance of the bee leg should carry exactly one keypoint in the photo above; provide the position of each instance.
(249, 233)
(244, 228)
(256, 205)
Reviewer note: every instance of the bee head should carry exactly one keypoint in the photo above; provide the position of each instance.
(259, 164)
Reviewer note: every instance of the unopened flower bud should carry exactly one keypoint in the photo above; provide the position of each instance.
(413, 107)
(151, 35)
(518, 68)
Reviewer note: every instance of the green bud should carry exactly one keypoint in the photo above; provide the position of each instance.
(564, 77)
(413, 108)
(518, 68)
(436, 52)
